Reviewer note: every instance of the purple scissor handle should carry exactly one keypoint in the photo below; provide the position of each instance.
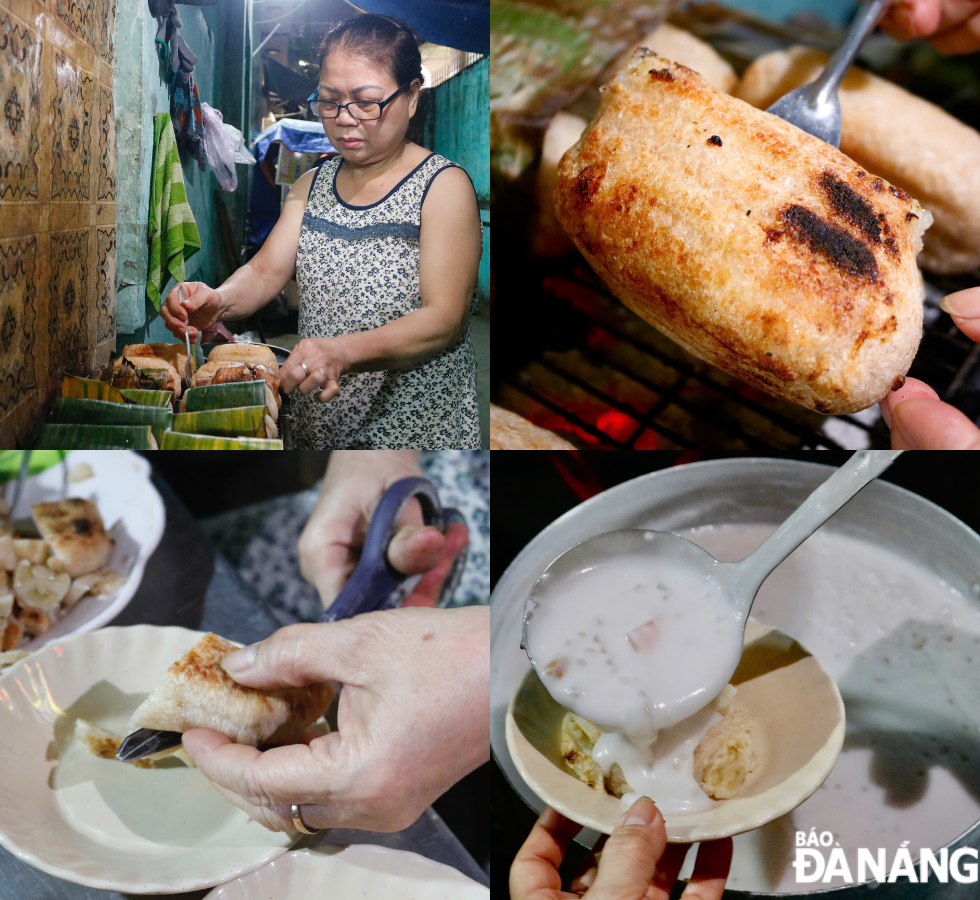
(375, 585)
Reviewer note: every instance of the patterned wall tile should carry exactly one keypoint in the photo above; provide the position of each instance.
(18, 313)
(68, 296)
(105, 13)
(73, 105)
(107, 145)
(106, 323)
(79, 16)
(20, 102)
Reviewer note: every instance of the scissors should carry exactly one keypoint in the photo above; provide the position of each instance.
(374, 584)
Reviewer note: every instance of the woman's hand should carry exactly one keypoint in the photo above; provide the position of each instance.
(636, 861)
(315, 365)
(952, 26)
(413, 718)
(330, 545)
(918, 419)
(200, 308)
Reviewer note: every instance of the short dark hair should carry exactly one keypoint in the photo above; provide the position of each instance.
(388, 42)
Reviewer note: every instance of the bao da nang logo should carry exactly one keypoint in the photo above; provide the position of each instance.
(819, 858)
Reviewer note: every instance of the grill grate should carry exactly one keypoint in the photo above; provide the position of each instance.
(606, 376)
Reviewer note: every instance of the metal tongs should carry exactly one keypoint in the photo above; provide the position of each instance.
(374, 584)
(815, 107)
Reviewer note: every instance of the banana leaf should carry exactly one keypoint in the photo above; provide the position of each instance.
(90, 389)
(95, 437)
(225, 396)
(544, 54)
(148, 398)
(74, 410)
(174, 440)
(10, 462)
(242, 421)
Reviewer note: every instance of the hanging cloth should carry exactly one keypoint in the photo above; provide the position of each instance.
(173, 232)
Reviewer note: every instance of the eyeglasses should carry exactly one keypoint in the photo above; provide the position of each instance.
(363, 110)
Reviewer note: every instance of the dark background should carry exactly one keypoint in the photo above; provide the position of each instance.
(531, 489)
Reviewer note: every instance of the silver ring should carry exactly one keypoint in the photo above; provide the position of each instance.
(305, 369)
(298, 821)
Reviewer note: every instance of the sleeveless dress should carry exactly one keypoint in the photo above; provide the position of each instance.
(357, 268)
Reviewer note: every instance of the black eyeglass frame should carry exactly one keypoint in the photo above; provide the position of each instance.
(382, 103)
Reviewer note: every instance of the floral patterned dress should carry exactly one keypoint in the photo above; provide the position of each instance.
(358, 268)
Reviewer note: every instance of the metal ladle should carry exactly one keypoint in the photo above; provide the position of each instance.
(740, 581)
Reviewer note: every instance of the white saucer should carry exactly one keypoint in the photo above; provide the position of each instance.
(357, 872)
(98, 822)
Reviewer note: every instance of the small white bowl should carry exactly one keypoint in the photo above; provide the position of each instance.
(357, 872)
(99, 822)
(134, 516)
(798, 736)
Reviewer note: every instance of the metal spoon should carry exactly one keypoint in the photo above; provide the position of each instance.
(815, 107)
(739, 581)
(189, 362)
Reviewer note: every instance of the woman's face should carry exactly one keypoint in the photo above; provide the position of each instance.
(345, 77)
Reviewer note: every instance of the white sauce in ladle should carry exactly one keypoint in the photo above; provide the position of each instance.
(635, 644)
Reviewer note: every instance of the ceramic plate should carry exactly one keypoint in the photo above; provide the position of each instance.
(357, 872)
(133, 514)
(99, 822)
(797, 739)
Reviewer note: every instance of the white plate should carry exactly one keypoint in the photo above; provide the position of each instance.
(98, 822)
(134, 516)
(361, 871)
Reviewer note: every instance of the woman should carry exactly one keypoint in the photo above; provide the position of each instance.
(386, 242)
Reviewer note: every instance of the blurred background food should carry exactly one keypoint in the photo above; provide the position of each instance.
(568, 356)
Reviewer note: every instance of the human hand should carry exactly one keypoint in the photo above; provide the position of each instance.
(952, 26)
(636, 861)
(199, 309)
(330, 545)
(918, 419)
(413, 718)
(315, 365)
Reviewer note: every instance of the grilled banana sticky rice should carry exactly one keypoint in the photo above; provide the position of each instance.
(755, 246)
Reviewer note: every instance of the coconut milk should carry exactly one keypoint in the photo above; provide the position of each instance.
(634, 645)
(904, 649)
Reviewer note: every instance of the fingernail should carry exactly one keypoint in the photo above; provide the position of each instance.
(643, 812)
(239, 661)
(965, 304)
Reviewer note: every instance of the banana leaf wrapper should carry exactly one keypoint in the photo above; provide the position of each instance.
(242, 421)
(176, 440)
(79, 411)
(95, 437)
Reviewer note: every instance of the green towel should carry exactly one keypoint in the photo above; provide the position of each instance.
(173, 232)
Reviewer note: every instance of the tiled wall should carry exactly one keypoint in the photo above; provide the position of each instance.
(57, 200)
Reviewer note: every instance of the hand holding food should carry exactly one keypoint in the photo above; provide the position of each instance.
(200, 308)
(917, 417)
(411, 719)
(673, 181)
(636, 861)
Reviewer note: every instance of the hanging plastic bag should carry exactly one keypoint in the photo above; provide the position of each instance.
(219, 148)
(242, 154)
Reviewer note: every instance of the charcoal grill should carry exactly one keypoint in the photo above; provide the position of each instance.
(570, 357)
